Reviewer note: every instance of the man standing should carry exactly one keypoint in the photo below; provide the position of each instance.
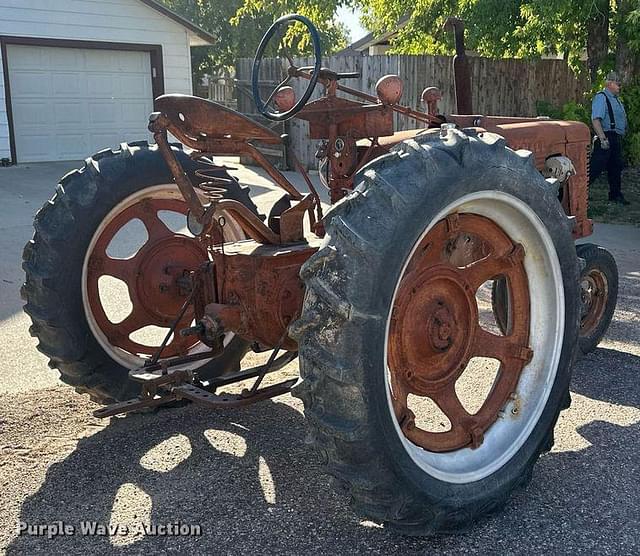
(610, 124)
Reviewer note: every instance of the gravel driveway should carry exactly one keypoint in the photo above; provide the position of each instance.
(246, 479)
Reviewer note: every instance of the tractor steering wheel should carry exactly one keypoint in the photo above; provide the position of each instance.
(315, 40)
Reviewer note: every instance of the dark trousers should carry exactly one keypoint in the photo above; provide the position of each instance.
(611, 159)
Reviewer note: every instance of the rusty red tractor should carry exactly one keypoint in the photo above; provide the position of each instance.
(381, 298)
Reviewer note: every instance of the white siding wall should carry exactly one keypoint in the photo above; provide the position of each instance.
(5, 151)
(123, 21)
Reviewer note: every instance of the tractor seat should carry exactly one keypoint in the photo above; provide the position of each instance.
(200, 119)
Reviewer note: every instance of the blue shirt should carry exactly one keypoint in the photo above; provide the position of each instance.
(600, 110)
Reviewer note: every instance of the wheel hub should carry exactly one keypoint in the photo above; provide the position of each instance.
(594, 290)
(162, 281)
(441, 328)
(439, 297)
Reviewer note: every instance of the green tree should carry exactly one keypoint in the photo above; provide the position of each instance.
(521, 28)
(608, 30)
(238, 26)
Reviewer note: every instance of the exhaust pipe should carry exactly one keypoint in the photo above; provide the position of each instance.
(461, 70)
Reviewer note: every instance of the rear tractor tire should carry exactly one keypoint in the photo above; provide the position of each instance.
(392, 352)
(71, 254)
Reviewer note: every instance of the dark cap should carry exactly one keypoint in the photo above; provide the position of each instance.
(612, 76)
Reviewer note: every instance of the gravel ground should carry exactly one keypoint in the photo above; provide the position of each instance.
(249, 481)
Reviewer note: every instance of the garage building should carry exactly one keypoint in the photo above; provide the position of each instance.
(81, 75)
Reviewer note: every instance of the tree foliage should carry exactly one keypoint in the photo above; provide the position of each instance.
(608, 31)
(333, 34)
(238, 26)
(521, 28)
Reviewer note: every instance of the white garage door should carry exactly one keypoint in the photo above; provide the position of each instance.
(68, 103)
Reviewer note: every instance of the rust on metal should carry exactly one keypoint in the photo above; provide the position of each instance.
(292, 220)
(199, 119)
(160, 388)
(252, 288)
(247, 220)
(332, 86)
(189, 194)
(175, 387)
(594, 291)
(155, 276)
(273, 172)
(389, 89)
(352, 118)
(260, 291)
(285, 98)
(461, 69)
(135, 404)
(217, 401)
(430, 98)
(209, 127)
(435, 330)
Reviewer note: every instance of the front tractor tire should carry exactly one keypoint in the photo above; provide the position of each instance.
(78, 234)
(390, 338)
(598, 294)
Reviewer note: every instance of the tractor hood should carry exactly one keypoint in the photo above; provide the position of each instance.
(542, 137)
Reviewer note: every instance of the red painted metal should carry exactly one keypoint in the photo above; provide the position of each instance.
(389, 89)
(594, 289)
(430, 97)
(156, 277)
(285, 99)
(331, 115)
(544, 139)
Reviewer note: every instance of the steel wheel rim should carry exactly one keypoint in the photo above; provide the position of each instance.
(438, 289)
(507, 435)
(168, 193)
(594, 290)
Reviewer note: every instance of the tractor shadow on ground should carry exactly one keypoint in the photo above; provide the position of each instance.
(608, 375)
(252, 490)
(625, 325)
(257, 190)
(259, 488)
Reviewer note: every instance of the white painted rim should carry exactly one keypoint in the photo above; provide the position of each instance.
(164, 191)
(508, 434)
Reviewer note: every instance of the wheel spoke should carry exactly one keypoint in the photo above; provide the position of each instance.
(449, 403)
(118, 333)
(123, 269)
(429, 252)
(485, 269)
(464, 427)
(285, 52)
(147, 212)
(502, 348)
(135, 321)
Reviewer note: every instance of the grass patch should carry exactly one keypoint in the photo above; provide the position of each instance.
(601, 210)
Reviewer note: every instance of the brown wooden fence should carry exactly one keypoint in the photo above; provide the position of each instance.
(500, 87)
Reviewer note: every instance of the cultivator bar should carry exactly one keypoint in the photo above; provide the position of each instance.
(168, 381)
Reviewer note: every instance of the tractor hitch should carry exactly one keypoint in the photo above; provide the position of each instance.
(161, 385)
